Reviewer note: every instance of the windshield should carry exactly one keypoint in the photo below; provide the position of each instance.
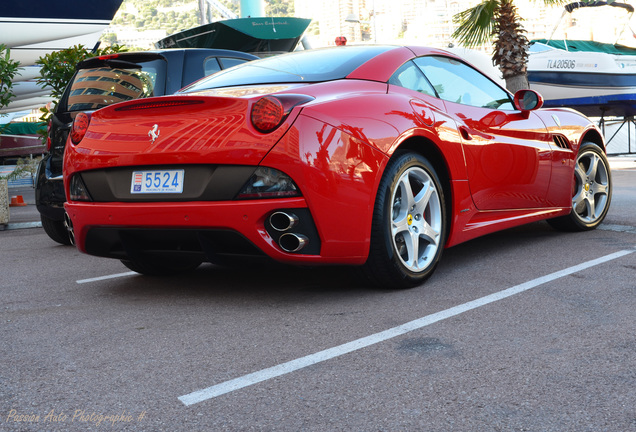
(298, 67)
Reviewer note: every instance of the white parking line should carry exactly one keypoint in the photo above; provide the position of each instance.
(321, 356)
(112, 276)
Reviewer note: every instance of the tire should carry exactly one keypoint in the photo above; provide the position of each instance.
(591, 193)
(409, 224)
(56, 230)
(161, 267)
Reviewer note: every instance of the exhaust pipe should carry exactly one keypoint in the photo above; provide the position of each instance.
(283, 221)
(68, 224)
(290, 242)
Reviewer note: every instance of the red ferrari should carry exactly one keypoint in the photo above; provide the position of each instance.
(372, 156)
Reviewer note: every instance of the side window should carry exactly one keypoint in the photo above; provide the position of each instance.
(228, 62)
(457, 82)
(210, 66)
(215, 64)
(410, 76)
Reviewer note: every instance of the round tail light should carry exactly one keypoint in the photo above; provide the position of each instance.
(267, 114)
(79, 128)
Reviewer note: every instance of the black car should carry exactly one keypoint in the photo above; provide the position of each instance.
(105, 80)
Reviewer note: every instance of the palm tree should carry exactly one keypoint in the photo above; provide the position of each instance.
(498, 20)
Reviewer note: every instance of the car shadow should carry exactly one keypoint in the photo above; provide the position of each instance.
(271, 281)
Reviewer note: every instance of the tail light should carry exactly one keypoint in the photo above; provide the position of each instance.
(48, 135)
(78, 190)
(268, 183)
(79, 128)
(269, 112)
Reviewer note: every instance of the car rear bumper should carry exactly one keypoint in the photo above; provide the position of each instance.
(205, 229)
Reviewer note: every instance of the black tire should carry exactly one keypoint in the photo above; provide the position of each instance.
(407, 238)
(592, 191)
(161, 267)
(56, 230)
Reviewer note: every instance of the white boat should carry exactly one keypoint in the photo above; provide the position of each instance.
(598, 79)
(28, 54)
(39, 25)
(32, 29)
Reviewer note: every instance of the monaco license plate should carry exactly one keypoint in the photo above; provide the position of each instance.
(158, 181)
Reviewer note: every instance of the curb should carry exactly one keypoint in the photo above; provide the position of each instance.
(20, 225)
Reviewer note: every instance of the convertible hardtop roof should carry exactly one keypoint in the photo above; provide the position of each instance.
(367, 62)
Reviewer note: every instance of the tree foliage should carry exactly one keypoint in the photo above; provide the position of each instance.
(498, 21)
(8, 70)
(157, 15)
(279, 8)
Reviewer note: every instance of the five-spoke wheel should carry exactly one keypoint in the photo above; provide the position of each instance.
(409, 223)
(416, 219)
(592, 191)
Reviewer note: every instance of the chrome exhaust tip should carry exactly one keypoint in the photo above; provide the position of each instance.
(68, 224)
(290, 242)
(283, 221)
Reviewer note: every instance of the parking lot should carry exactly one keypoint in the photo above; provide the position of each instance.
(527, 329)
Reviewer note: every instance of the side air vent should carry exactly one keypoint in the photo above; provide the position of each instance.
(561, 142)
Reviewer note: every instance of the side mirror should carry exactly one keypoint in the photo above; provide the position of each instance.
(528, 100)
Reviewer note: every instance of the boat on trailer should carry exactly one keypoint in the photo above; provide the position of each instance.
(595, 78)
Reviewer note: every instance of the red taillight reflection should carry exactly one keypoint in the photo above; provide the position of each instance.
(267, 114)
(108, 56)
(79, 128)
(48, 136)
(143, 105)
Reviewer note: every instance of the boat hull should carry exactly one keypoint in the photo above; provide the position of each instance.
(594, 83)
(28, 54)
(25, 32)
(34, 28)
(14, 146)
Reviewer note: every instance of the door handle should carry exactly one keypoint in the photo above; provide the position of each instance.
(465, 133)
(469, 134)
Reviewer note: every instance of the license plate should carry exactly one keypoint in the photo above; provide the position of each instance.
(158, 181)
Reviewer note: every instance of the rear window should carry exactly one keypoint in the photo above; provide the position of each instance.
(97, 87)
(298, 67)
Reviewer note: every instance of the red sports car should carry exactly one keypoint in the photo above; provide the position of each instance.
(373, 156)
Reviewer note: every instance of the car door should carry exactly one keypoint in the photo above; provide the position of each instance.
(507, 152)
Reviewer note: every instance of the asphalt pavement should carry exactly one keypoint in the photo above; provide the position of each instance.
(529, 329)
(27, 216)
